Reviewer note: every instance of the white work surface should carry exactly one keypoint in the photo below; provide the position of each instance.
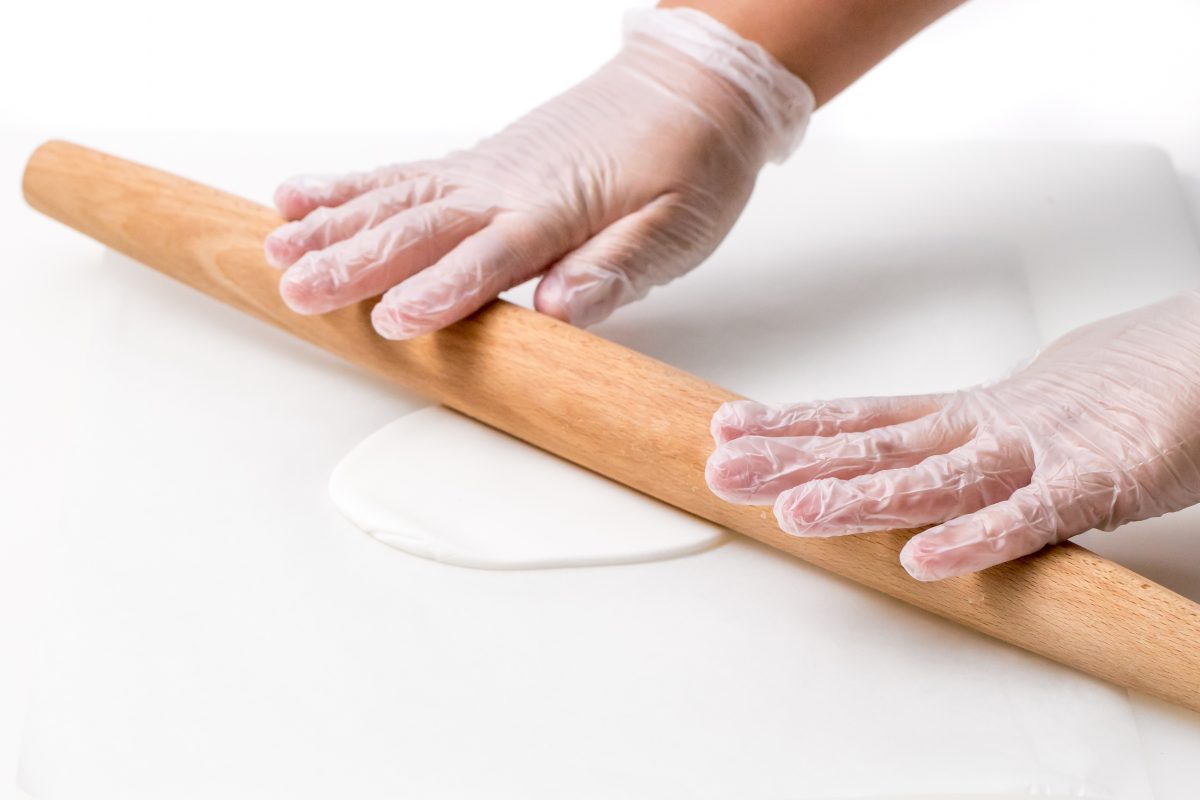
(222, 632)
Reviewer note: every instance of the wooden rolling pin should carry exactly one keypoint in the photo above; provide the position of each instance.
(618, 413)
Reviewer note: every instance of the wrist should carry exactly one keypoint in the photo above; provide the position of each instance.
(780, 101)
(828, 43)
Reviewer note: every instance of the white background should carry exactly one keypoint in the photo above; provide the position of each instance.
(1040, 69)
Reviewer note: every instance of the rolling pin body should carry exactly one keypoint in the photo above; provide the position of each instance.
(621, 414)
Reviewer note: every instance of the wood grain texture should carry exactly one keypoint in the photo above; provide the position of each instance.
(621, 414)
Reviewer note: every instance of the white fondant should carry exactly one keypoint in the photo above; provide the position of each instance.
(440, 486)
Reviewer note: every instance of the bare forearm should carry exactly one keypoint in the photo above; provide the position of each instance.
(828, 43)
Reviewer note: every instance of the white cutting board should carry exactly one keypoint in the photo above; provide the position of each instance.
(229, 635)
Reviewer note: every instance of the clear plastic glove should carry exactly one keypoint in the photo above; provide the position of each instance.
(626, 181)
(1102, 428)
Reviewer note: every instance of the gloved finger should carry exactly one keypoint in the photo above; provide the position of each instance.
(507, 252)
(821, 418)
(299, 195)
(325, 226)
(755, 469)
(1023, 524)
(982, 472)
(621, 263)
(378, 258)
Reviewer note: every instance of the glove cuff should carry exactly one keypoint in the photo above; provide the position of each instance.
(780, 98)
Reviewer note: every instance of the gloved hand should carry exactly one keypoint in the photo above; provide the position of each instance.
(624, 182)
(1102, 428)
